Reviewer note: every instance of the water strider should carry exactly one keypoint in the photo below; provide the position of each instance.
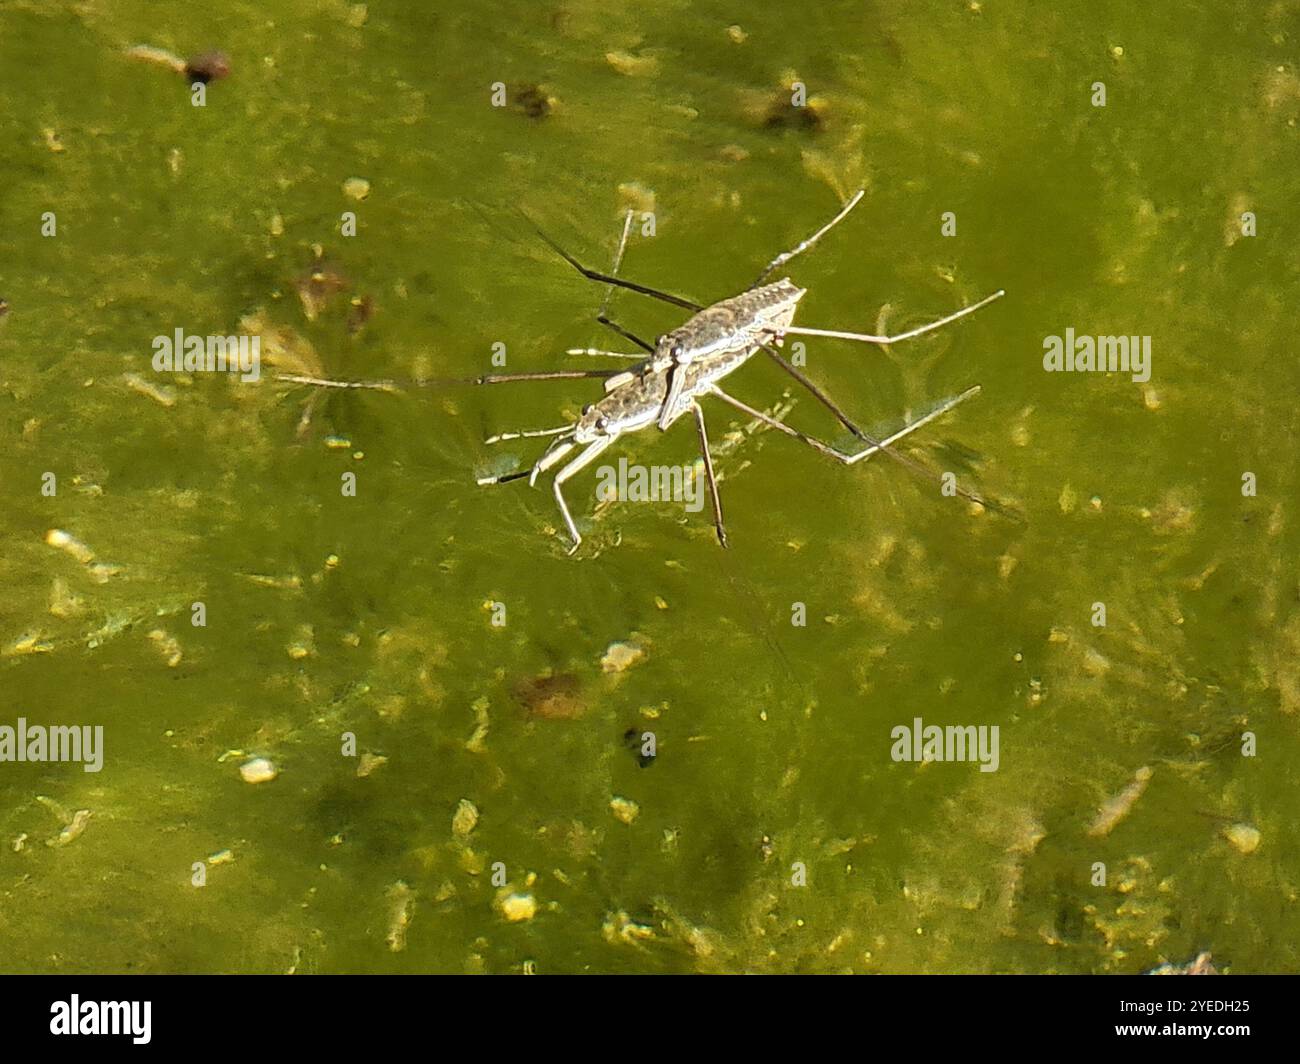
(686, 364)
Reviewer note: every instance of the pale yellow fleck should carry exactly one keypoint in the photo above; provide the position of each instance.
(259, 770)
(1244, 838)
(162, 394)
(368, 763)
(72, 829)
(61, 540)
(465, 819)
(402, 911)
(167, 646)
(621, 656)
(624, 809)
(518, 907)
(635, 66)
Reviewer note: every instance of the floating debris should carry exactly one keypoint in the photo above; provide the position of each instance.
(482, 725)
(620, 927)
(633, 66)
(1244, 837)
(281, 583)
(518, 907)
(357, 188)
(259, 770)
(318, 286)
(783, 113)
(556, 697)
(1117, 808)
(368, 763)
(624, 809)
(61, 540)
(31, 643)
(208, 66)
(620, 657)
(360, 310)
(532, 100)
(205, 67)
(163, 394)
(634, 196)
(465, 819)
(402, 912)
(305, 645)
(72, 830)
(167, 646)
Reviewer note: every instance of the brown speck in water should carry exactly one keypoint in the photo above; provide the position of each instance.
(554, 697)
(783, 114)
(531, 100)
(318, 286)
(359, 313)
(210, 66)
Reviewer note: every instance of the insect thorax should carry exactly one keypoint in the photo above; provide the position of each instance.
(732, 322)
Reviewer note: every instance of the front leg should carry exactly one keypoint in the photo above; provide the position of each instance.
(576, 466)
(676, 381)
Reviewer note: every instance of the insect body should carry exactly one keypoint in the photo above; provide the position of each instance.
(686, 364)
(731, 325)
(671, 376)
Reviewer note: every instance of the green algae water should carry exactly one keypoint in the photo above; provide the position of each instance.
(361, 714)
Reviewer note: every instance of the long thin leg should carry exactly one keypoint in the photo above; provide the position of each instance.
(804, 245)
(549, 375)
(596, 351)
(604, 278)
(816, 392)
(627, 334)
(879, 446)
(528, 434)
(714, 499)
(781, 426)
(835, 334)
(505, 478)
(826, 449)
(618, 261)
(324, 382)
(577, 465)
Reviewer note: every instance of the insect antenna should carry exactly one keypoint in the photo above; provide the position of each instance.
(804, 245)
(605, 278)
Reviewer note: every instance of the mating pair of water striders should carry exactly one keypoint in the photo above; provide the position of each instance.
(687, 364)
